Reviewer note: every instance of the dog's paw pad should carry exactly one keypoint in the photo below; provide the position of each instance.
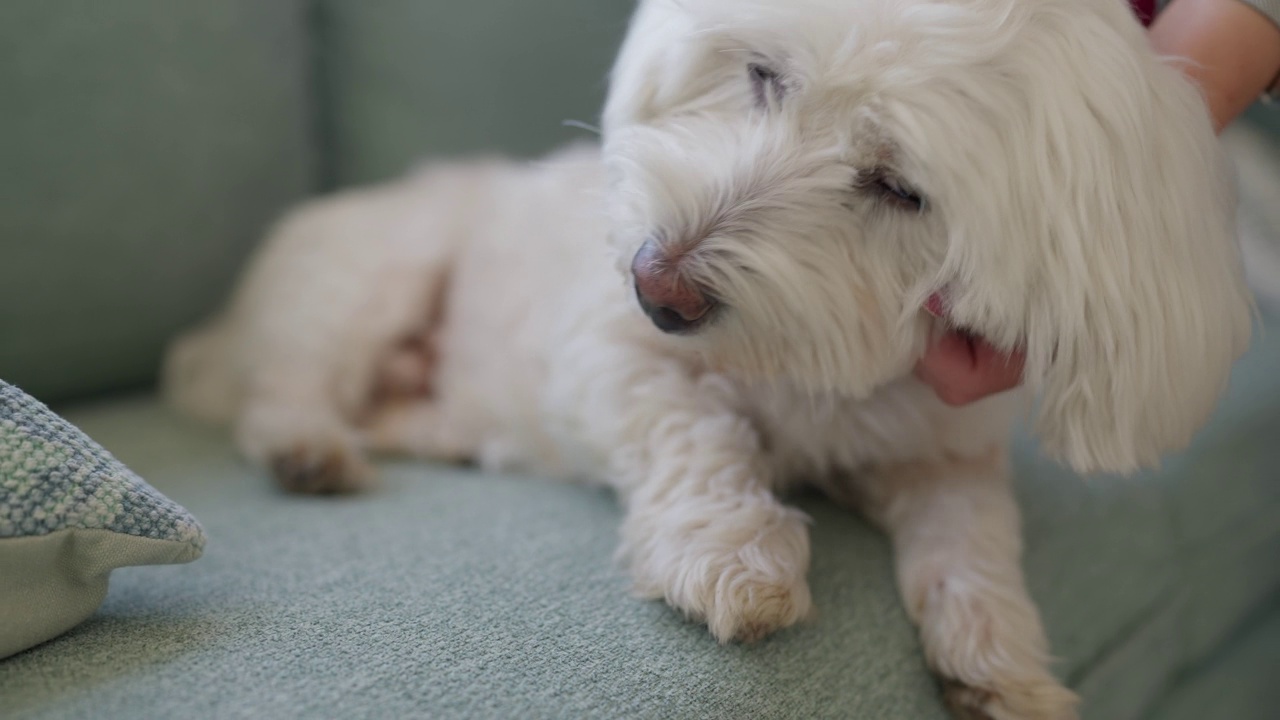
(1034, 700)
(323, 470)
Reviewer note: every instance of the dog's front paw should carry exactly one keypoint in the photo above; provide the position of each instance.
(744, 580)
(748, 608)
(989, 650)
(1026, 699)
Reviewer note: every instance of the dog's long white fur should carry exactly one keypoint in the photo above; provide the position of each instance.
(1075, 203)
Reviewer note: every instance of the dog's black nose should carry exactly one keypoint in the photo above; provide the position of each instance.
(673, 303)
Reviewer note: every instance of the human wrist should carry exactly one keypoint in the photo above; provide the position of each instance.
(1271, 10)
(1231, 48)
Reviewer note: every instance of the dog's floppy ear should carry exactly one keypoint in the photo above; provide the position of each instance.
(655, 67)
(1122, 270)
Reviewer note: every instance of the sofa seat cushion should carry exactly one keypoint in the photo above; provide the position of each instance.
(453, 593)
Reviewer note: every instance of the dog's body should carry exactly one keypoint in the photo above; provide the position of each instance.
(540, 361)
(781, 228)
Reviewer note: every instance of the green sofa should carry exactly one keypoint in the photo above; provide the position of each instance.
(145, 145)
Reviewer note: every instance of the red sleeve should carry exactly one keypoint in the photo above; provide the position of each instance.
(1145, 10)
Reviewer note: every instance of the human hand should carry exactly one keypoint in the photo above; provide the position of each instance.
(1228, 48)
(962, 367)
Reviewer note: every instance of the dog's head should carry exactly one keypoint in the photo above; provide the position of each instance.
(793, 178)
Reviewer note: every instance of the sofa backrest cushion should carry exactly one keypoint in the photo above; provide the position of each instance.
(410, 79)
(144, 145)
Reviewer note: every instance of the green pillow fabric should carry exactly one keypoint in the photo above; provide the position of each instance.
(70, 513)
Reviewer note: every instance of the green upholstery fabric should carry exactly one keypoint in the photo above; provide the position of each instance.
(407, 79)
(451, 593)
(1238, 681)
(144, 146)
(447, 594)
(1265, 115)
(1140, 579)
(147, 144)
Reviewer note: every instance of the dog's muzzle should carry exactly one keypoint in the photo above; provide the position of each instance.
(675, 304)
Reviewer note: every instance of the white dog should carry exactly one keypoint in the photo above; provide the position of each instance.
(783, 184)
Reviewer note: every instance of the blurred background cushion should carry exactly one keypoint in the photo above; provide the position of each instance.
(1254, 143)
(145, 144)
(407, 79)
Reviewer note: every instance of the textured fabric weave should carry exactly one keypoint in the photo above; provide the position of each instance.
(70, 513)
(53, 477)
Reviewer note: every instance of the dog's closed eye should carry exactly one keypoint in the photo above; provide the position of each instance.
(766, 84)
(884, 185)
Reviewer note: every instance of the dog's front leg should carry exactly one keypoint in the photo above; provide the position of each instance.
(957, 539)
(703, 528)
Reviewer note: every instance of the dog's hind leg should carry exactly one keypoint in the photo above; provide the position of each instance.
(339, 286)
(199, 375)
(957, 540)
(420, 428)
(289, 427)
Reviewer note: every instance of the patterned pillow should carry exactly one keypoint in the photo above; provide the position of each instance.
(70, 513)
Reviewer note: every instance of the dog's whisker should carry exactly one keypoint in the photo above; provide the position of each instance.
(580, 125)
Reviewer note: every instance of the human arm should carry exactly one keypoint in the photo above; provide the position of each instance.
(1231, 50)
